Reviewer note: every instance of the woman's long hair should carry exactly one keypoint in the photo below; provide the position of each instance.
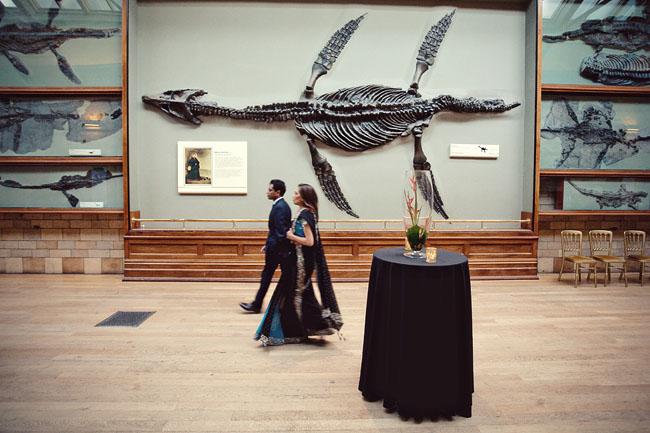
(309, 197)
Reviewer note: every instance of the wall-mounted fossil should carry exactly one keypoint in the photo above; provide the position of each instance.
(28, 125)
(353, 119)
(93, 177)
(627, 34)
(613, 199)
(36, 38)
(589, 140)
(617, 69)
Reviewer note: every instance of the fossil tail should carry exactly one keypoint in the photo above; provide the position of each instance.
(184, 104)
(584, 191)
(566, 36)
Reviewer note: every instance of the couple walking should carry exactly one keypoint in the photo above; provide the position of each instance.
(294, 313)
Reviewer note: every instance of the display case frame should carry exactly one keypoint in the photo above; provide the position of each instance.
(578, 90)
(120, 161)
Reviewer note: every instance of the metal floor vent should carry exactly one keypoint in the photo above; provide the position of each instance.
(126, 318)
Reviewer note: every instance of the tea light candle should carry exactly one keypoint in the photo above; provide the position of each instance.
(432, 254)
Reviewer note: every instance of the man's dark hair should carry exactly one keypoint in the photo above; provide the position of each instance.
(279, 186)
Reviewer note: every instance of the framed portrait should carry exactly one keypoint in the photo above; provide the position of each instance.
(212, 167)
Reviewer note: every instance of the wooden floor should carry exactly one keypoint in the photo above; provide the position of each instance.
(548, 358)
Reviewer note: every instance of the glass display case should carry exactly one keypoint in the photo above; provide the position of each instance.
(595, 43)
(62, 106)
(94, 187)
(61, 126)
(619, 194)
(74, 44)
(594, 129)
(595, 132)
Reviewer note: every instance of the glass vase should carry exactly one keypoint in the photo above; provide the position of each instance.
(418, 192)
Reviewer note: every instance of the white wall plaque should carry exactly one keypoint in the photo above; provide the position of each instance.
(482, 151)
(212, 167)
(91, 204)
(85, 152)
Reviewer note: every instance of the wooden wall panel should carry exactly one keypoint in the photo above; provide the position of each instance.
(234, 255)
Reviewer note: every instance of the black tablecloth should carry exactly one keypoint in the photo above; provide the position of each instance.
(417, 346)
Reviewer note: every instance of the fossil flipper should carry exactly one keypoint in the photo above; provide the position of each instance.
(436, 203)
(429, 49)
(65, 67)
(330, 53)
(72, 199)
(327, 180)
(53, 13)
(16, 62)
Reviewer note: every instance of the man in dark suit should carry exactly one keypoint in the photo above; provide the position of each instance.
(276, 250)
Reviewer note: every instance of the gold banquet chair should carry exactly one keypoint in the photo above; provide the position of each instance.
(634, 247)
(571, 252)
(600, 244)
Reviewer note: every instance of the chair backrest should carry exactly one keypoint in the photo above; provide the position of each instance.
(571, 243)
(600, 242)
(633, 242)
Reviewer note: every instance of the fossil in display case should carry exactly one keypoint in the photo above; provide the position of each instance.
(627, 34)
(617, 69)
(28, 125)
(353, 119)
(36, 38)
(589, 142)
(93, 177)
(613, 199)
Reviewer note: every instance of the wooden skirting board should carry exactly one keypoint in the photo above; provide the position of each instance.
(234, 255)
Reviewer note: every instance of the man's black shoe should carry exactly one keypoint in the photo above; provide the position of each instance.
(250, 307)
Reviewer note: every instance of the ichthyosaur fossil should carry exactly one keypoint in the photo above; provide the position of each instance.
(354, 119)
(28, 125)
(93, 177)
(591, 141)
(627, 34)
(613, 199)
(627, 69)
(37, 38)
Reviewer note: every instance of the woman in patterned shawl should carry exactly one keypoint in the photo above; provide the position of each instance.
(294, 313)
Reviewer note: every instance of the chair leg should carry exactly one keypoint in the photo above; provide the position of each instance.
(575, 270)
(624, 273)
(561, 269)
(641, 269)
(595, 275)
(605, 279)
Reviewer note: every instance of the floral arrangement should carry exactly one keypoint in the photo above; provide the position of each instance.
(416, 232)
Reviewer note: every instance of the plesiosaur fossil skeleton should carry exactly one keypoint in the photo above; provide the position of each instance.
(37, 38)
(589, 141)
(28, 125)
(93, 177)
(613, 199)
(627, 34)
(617, 69)
(353, 119)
